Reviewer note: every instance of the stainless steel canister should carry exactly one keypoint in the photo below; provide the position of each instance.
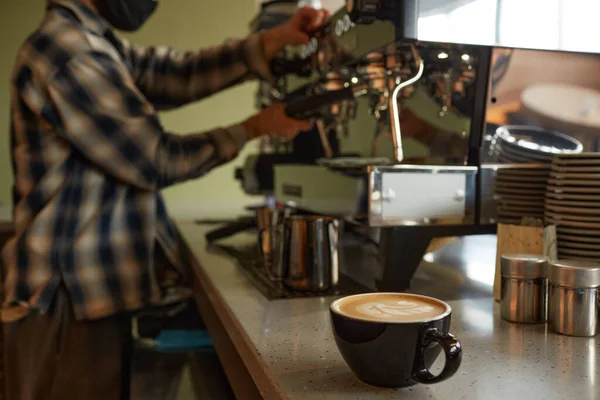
(307, 258)
(269, 221)
(574, 297)
(524, 288)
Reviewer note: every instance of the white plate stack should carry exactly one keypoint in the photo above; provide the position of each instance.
(573, 204)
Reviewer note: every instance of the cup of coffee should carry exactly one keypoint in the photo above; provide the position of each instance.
(393, 339)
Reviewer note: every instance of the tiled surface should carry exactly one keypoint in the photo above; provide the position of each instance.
(175, 376)
(186, 376)
(194, 375)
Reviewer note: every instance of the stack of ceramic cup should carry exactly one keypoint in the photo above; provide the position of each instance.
(573, 204)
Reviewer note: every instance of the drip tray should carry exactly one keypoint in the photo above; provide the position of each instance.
(249, 260)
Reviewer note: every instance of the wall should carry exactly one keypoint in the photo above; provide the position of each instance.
(184, 24)
(18, 18)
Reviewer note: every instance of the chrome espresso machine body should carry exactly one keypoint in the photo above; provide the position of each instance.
(425, 172)
(367, 60)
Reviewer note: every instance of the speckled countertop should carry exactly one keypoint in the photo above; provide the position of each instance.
(293, 340)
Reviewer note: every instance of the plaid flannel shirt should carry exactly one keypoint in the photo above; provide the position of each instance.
(90, 156)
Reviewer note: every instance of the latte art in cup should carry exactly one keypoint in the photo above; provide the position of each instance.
(394, 309)
(390, 307)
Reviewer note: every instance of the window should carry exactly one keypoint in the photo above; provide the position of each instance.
(544, 24)
(579, 25)
(450, 26)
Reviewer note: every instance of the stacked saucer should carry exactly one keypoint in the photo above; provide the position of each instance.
(573, 204)
(526, 153)
(519, 192)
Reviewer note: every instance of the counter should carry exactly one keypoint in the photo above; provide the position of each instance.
(287, 350)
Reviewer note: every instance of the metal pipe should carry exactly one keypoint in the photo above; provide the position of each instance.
(324, 140)
(395, 112)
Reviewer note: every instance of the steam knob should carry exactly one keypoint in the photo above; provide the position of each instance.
(367, 11)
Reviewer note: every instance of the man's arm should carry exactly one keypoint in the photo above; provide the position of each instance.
(169, 78)
(103, 115)
(98, 109)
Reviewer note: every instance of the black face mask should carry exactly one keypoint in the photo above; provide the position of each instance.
(127, 15)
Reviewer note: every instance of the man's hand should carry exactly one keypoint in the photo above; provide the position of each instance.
(272, 121)
(299, 30)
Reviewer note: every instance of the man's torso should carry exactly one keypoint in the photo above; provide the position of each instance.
(75, 224)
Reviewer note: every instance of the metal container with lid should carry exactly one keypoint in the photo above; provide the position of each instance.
(574, 305)
(524, 288)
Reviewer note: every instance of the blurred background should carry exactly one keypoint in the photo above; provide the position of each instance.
(190, 24)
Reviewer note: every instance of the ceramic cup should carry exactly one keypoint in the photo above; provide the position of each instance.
(393, 339)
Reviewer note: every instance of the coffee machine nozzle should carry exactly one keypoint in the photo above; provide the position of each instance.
(395, 112)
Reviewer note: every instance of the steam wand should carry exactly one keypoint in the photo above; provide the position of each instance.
(395, 112)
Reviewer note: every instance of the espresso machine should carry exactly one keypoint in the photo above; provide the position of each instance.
(366, 64)
(417, 89)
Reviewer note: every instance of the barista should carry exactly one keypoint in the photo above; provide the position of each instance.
(90, 157)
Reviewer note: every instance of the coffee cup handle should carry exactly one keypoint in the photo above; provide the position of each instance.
(268, 264)
(452, 348)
